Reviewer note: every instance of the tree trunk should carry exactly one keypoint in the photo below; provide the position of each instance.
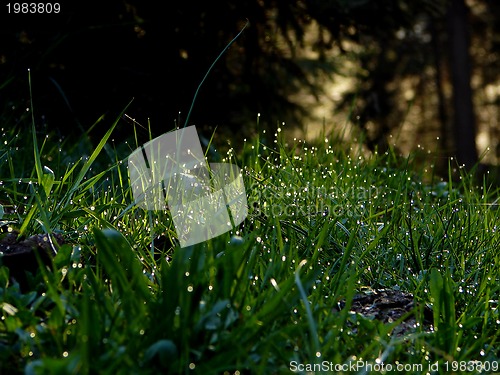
(460, 66)
(438, 81)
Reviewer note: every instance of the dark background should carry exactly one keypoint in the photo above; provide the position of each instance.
(94, 58)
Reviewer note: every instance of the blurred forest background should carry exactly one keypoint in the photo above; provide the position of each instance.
(416, 74)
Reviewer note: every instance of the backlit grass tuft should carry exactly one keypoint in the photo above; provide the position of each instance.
(326, 222)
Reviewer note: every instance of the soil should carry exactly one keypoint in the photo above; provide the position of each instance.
(20, 255)
(388, 306)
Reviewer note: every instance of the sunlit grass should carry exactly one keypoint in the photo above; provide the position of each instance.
(325, 222)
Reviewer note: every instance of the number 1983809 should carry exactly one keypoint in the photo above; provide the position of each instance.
(33, 8)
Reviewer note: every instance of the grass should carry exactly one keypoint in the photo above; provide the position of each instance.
(325, 222)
